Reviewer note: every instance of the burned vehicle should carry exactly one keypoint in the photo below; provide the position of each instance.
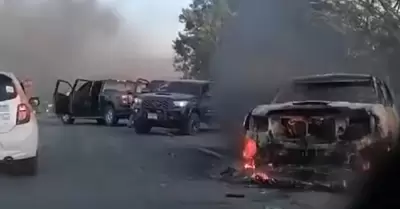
(325, 129)
(181, 104)
(106, 101)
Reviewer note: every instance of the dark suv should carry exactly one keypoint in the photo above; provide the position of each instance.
(106, 101)
(182, 104)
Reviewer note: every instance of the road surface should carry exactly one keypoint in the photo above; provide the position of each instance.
(89, 166)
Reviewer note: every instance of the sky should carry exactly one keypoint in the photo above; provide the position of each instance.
(67, 46)
(157, 20)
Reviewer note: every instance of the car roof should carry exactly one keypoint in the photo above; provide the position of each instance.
(116, 80)
(333, 78)
(189, 81)
(9, 74)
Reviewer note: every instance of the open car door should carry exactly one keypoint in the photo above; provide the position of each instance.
(81, 100)
(141, 84)
(61, 97)
(155, 84)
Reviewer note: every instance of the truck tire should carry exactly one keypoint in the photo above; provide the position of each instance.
(110, 118)
(142, 127)
(67, 119)
(192, 125)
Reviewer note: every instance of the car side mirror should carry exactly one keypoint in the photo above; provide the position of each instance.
(145, 90)
(34, 101)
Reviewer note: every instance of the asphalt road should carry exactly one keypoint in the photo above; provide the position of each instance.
(89, 166)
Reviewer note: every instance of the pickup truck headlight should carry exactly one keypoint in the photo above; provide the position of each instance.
(137, 101)
(180, 103)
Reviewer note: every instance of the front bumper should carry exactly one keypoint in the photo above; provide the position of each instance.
(20, 143)
(172, 118)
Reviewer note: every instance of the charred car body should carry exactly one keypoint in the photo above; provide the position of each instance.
(322, 129)
(106, 101)
(182, 104)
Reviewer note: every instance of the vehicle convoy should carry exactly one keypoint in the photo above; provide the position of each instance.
(106, 101)
(179, 104)
(19, 132)
(325, 129)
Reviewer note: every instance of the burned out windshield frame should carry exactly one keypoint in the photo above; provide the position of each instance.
(329, 91)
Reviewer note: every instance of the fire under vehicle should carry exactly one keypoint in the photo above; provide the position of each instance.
(325, 130)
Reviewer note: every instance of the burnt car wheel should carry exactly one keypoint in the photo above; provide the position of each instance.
(67, 119)
(192, 125)
(142, 127)
(110, 117)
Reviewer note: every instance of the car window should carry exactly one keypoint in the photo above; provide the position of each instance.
(7, 88)
(119, 86)
(140, 87)
(180, 87)
(388, 93)
(85, 87)
(155, 84)
(360, 92)
(383, 93)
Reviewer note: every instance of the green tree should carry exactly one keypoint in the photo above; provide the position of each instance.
(374, 24)
(195, 45)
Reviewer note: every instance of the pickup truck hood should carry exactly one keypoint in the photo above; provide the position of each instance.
(265, 109)
(174, 96)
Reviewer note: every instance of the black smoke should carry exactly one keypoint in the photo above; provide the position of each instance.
(263, 46)
(69, 39)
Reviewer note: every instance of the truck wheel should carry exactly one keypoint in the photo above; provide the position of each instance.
(109, 116)
(26, 167)
(67, 119)
(142, 127)
(192, 125)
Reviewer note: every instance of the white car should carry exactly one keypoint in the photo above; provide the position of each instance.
(19, 131)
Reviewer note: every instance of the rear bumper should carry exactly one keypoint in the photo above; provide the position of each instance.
(20, 143)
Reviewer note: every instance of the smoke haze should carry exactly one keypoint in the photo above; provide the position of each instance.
(267, 43)
(47, 40)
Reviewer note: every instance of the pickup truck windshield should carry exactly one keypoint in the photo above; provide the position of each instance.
(120, 86)
(360, 92)
(180, 87)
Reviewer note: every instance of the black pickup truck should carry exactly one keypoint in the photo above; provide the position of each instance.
(106, 101)
(181, 104)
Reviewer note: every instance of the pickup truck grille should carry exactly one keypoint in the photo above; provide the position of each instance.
(156, 104)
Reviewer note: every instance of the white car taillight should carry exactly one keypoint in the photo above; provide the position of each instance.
(23, 114)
